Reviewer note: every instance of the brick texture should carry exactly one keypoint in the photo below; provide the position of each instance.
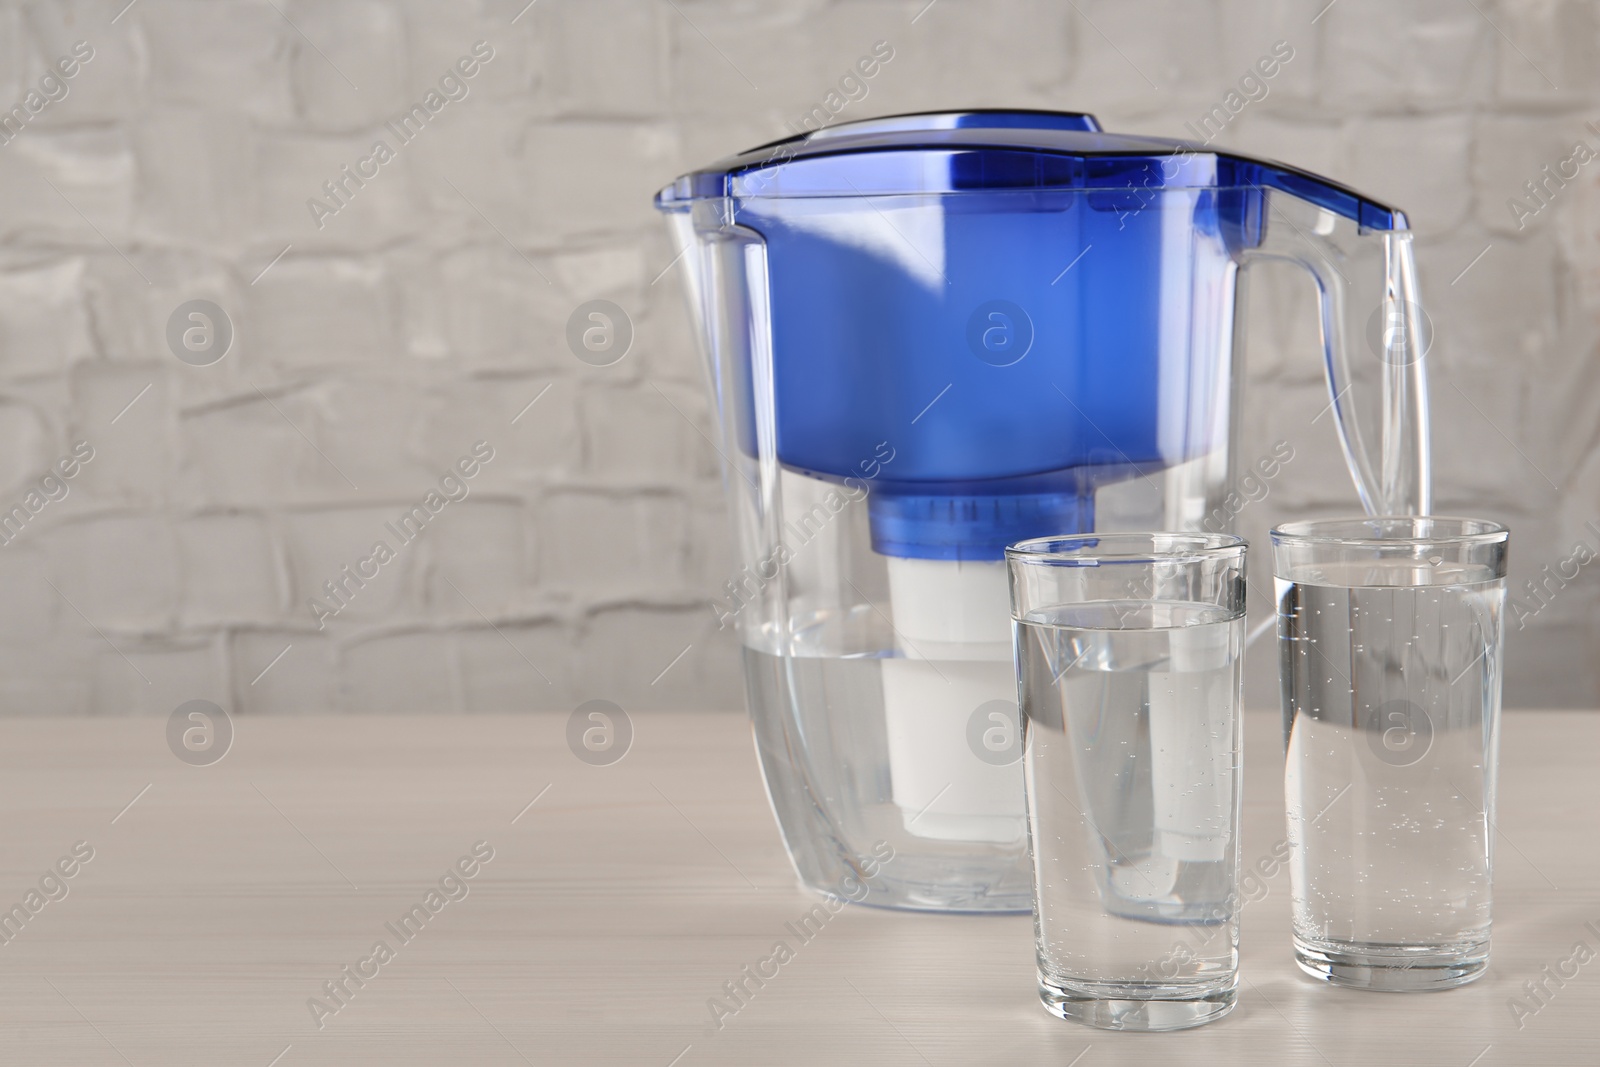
(423, 309)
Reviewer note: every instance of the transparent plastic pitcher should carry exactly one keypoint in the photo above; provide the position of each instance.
(931, 336)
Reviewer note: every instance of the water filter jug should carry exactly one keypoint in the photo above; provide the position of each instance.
(930, 336)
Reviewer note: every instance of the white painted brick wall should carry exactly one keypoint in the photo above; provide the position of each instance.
(430, 311)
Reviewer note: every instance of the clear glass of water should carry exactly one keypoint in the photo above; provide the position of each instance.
(1128, 649)
(1389, 632)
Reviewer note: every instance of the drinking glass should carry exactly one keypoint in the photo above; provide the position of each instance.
(1128, 649)
(1389, 634)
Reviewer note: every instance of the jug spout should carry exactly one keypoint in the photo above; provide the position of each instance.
(1373, 328)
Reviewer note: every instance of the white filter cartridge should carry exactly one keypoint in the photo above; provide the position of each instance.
(1191, 745)
(953, 619)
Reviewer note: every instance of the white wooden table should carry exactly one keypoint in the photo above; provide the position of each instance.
(615, 907)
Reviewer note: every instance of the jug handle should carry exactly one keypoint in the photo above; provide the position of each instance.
(1361, 301)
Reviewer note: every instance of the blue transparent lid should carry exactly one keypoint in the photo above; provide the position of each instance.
(988, 151)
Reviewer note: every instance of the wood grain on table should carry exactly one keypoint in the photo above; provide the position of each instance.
(217, 908)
